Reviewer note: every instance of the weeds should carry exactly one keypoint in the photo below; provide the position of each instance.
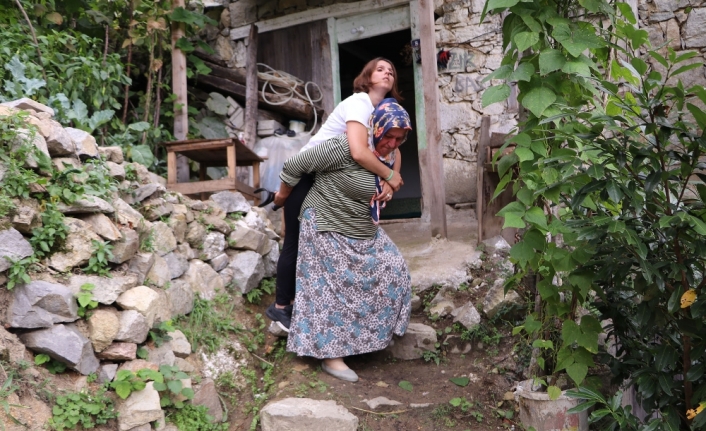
(208, 326)
(98, 263)
(82, 408)
(195, 418)
(85, 299)
(53, 366)
(267, 286)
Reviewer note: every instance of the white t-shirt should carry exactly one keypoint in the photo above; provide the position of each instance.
(357, 107)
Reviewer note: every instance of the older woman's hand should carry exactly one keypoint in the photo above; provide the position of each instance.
(395, 182)
(386, 193)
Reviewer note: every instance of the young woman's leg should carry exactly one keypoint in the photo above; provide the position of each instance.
(281, 311)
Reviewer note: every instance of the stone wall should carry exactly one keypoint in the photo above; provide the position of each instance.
(475, 51)
(167, 250)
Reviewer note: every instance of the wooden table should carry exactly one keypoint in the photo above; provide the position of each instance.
(228, 152)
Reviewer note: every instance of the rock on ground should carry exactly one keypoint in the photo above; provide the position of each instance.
(65, 344)
(141, 407)
(41, 304)
(248, 270)
(231, 202)
(496, 299)
(411, 345)
(13, 246)
(206, 395)
(307, 414)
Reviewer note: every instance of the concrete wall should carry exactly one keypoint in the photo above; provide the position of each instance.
(475, 51)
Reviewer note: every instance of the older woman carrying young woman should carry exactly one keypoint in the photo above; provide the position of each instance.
(353, 285)
(351, 116)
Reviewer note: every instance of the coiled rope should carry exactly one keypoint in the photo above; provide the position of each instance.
(284, 80)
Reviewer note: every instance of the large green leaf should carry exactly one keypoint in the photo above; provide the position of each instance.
(698, 114)
(524, 154)
(538, 100)
(523, 72)
(522, 252)
(495, 94)
(536, 216)
(576, 40)
(501, 4)
(577, 372)
(576, 67)
(407, 386)
(525, 39)
(142, 154)
(554, 392)
(626, 11)
(550, 60)
(217, 103)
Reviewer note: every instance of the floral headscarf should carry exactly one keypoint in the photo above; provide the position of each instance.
(387, 115)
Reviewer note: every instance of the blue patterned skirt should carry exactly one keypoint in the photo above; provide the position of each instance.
(352, 294)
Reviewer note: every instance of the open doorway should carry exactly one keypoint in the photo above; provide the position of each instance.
(407, 202)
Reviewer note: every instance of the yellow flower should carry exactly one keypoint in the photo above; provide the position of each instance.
(691, 414)
(688, 298)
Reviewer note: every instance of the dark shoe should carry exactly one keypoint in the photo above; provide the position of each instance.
(282, 316)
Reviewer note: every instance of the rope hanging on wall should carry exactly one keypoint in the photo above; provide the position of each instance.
(273, 78)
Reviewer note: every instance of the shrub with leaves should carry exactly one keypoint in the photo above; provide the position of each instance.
(82, 408)
(192, 417)
(98, 262)
(85, 299)
(609, 164)
(172, 392)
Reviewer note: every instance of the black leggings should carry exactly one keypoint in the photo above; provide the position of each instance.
(287, 264)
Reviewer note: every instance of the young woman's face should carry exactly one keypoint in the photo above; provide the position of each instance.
(390, 141)
(383, 76)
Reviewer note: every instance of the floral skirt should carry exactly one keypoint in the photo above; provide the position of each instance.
(352, 294)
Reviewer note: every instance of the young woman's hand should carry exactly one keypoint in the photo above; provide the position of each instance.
(282, 194)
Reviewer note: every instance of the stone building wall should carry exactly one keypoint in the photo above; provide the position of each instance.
(476, 51)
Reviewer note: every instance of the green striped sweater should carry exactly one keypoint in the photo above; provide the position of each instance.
(342, 188)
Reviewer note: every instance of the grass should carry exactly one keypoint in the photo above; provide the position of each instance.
(210, 323)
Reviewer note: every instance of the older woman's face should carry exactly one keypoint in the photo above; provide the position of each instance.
(390, 141)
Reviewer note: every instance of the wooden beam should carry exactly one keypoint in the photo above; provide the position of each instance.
(335, 62)
(483, 143)
(181, 119)
(295, 108)
(203, 186)
(250, 126)
(431, 165)
(201, 146)
(333, 11)
(372, 24)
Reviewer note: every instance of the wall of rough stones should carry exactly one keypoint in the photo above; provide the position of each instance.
(167, 250)
(475, 51)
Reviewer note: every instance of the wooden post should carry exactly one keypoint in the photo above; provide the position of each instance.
(430, 155)
(181, 119)
(250, 128)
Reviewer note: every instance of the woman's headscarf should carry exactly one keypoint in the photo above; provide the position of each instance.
(387, 115)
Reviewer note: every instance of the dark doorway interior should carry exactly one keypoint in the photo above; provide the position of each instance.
(353, 56)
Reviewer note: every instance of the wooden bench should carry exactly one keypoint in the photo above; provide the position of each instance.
(228, 152)
(490, 225)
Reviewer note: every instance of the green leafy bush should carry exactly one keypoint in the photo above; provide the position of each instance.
(195, 418)
(82, 408)
(609, 165)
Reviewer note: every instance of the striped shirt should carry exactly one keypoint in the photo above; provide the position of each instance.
(342, 188)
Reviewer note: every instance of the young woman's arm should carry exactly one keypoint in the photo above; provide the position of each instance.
(358, 141)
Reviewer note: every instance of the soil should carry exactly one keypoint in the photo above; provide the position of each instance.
(490, 366)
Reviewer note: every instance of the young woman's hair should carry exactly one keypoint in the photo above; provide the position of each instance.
(362, 83)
